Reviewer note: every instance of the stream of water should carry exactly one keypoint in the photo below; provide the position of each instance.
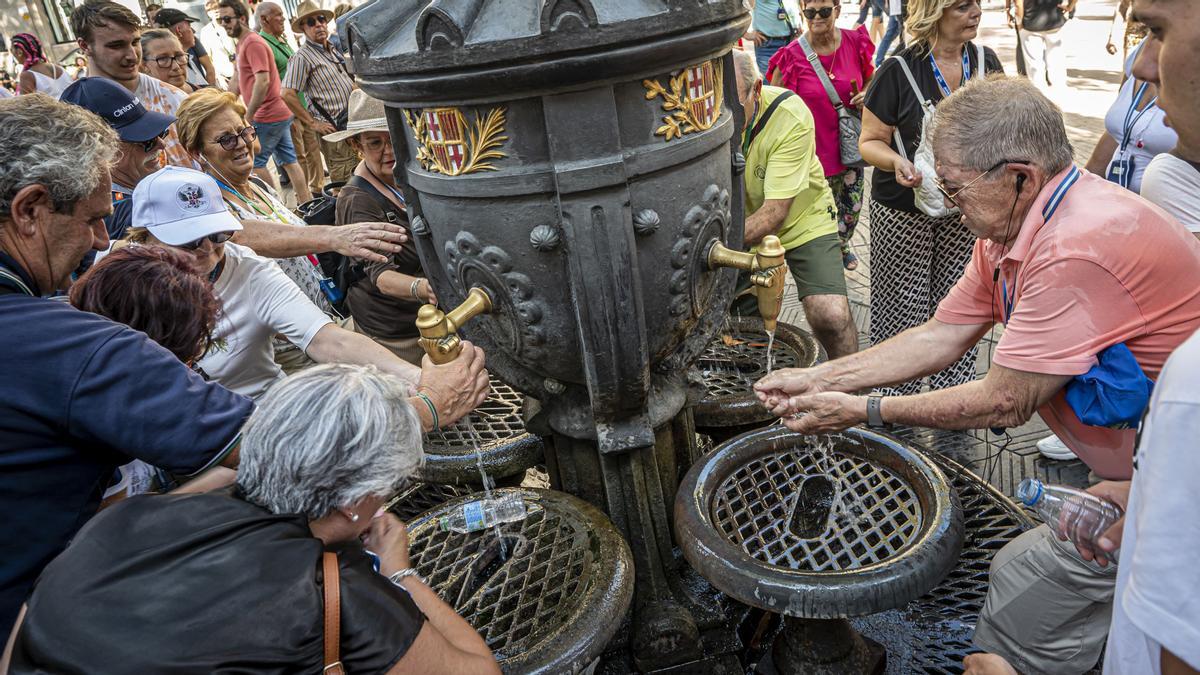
(469, 421)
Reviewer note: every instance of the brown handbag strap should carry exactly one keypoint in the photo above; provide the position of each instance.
(333, 615)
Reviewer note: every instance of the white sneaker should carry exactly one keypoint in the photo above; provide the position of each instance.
(1052, 447)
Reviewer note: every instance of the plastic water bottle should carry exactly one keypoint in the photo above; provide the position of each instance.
(1079, 516)
(485, 513)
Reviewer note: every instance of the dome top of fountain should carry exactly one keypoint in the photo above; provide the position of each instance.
(439, 52)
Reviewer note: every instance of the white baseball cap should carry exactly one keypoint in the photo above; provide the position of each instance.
(179, 206)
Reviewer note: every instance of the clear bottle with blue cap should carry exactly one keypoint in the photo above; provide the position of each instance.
(1078, 516)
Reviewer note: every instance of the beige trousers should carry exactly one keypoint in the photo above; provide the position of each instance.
(308, 154)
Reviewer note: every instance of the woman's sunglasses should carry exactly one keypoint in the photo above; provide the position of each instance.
(824, 13)
(216, 238)
(230, 141)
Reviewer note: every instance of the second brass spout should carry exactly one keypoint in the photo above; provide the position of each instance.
(439, 330)
(767, 274)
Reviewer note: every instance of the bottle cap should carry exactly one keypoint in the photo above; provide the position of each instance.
(1030, 491)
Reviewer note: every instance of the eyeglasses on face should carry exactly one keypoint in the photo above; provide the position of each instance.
(952, 196)
(165, 61)
(824, 13)
(226, 19)
(216, 238)
(230, 141)
(150, 145)
(317, 20)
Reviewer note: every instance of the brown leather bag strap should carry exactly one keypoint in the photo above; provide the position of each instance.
(333, 615)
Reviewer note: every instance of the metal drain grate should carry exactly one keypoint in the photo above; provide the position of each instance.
(933, 633)
(874, 515)
(420, 497)
(496, 421)
(734, 361)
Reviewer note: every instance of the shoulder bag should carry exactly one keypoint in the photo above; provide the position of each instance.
(849, 121)
(333, 615)
(927, 197)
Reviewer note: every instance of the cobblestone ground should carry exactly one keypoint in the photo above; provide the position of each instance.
(1094, 77)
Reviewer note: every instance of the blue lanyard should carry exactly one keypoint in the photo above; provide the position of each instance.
(1133, 115)
(941, 81)
(1047, 213)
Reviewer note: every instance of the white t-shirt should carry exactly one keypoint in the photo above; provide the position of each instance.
(1148, 135)
(1157, 600)
(1174, 185)
(258, 301)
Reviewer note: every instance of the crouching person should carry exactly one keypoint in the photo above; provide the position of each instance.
(233, 580)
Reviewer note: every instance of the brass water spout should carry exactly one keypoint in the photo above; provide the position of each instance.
(767, 273)
(439, 330)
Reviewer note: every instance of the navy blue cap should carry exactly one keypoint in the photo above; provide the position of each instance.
(122, 110)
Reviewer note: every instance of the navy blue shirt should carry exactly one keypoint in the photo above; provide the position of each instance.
(82, 396)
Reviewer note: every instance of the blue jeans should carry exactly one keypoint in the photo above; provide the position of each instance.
(764, 52)
(275, 138)
(893, 31)
(874, 7)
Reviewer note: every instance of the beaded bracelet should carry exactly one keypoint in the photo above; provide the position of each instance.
(432, 409)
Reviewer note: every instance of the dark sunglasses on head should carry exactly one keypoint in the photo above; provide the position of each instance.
(217, 238)
(312, 21)
(230, 141)
(148, 146)
(824, 13)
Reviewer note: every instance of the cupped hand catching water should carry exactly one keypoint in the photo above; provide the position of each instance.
(775, 390)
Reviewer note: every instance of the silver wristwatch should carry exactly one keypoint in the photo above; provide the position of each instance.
(874, 413)
(403, 574)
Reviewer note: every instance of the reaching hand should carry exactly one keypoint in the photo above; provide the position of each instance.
(388, 538)
(907, 174)
(1110, 48)
(858, 99)
(1116, 492)
(373, 242)
(425, 292)
(458, 387)
(825, 412)
(324, 128)
(775, 390)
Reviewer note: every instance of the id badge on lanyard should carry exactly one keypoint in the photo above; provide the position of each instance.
(1121, 169)
(781, 13)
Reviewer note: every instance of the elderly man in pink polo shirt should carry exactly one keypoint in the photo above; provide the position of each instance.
(1071, 265)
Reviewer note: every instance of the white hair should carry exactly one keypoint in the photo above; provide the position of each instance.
(745, 71)
(262, 9)
(328, 437)
(998, 119)
(60, 146)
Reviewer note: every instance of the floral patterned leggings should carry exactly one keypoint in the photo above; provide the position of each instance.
(847, 188)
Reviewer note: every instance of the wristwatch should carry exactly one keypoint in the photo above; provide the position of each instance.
(874, 414)
(403, 574)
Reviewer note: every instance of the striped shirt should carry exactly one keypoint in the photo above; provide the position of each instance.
(320, 72)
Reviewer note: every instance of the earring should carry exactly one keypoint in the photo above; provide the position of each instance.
(354, 517)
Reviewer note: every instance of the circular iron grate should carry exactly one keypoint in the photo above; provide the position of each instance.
(736, 359)
(495, 431)
(554, 602)
(418, 498)
(874, 513)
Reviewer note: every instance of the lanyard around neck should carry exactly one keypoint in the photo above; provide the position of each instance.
(1133, 115)
(749, 127)
(941, 80)
(273, 214)
(1048, 210)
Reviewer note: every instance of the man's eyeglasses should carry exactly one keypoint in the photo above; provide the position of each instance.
(313, 21)
(166, 61)
(952, 197)
(150, 145)
(230, 141)
(217, 238)
(824, 13)
(226, 19)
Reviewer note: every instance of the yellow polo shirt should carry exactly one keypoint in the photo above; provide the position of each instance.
(783, 163)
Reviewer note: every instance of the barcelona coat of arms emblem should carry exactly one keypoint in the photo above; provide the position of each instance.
(692, 99)
(449, 145)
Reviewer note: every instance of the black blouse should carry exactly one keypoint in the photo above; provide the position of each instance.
(891, 99)
(206, 583)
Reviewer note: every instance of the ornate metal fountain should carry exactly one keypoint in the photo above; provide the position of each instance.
(573, 175)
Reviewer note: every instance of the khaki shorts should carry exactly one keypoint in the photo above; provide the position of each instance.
(1047, 609)
(816, 267)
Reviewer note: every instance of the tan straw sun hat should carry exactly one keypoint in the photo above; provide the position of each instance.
(366, 114)
(306, 9)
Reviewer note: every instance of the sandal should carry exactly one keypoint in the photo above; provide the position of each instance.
(849, 261)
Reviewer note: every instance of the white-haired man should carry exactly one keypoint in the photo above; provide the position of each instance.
(787, 196)
(1080, 272)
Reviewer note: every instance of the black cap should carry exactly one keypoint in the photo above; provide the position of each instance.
(169, 16)
(118, 107)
